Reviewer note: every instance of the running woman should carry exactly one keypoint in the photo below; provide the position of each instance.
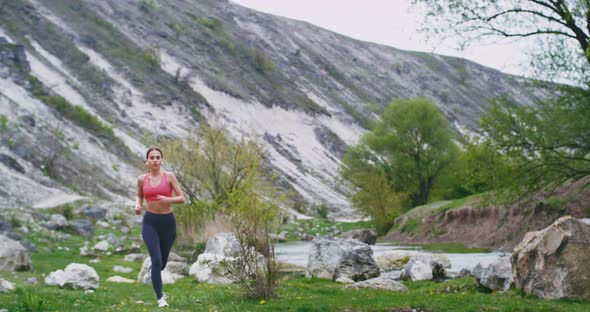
(159, 224)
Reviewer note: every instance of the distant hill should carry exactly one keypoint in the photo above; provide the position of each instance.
(85, 86)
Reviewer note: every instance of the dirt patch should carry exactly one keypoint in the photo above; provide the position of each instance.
(499, 227)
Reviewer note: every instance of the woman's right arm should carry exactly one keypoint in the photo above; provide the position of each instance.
(139, 197)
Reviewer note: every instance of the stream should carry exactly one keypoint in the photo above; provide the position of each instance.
(297, 253)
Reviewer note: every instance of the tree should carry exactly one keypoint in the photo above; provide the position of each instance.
(373, 192)
(222, 176)
(481, 167)
(547, 141)
(550, 142)
(209, 168)
(561, 27)
(412, 147)
(211, 165)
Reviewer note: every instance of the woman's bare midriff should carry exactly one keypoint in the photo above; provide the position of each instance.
(159, 208)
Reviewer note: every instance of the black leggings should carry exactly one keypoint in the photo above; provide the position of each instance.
(158, 232)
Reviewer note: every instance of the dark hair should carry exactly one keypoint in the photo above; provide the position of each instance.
(153, 148)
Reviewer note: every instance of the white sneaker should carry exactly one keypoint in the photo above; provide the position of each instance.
(162, 302)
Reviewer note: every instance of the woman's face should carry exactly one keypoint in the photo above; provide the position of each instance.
(154, 159)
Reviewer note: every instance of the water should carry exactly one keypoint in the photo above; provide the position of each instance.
(297, 253)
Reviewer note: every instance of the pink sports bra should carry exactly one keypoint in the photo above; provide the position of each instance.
(151, 192)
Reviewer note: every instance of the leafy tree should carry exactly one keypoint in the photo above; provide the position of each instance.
(373, 193)
(408, 153)
(211, 165)
(208, 168)
(481, 167)
(414, 139)
(550, 142)
(561, 27)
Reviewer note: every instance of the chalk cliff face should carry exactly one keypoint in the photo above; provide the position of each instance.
(148, 70)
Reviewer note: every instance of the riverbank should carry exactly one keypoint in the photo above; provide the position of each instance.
(486, 221)
(296, 253)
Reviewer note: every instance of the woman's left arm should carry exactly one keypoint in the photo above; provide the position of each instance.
(179, 198)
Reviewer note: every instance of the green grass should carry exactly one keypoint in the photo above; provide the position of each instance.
(295, 293)
(462, 202)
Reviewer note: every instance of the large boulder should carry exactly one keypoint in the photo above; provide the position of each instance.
(13, 255)
(223, 244)
(76, 276)
(424, 269)
(553, 263)
(82, 227)
(56, 222)
(168, 276)
(334, 258)
(93, 212)
(208, 267)
(495, 276)
(367, 236)
(5, 227)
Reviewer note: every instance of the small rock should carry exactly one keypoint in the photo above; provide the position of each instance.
(31, 281)
(6, 286)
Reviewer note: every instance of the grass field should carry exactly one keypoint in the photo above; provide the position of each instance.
(295, 293)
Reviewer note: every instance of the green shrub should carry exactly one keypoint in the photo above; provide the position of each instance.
(15, 222)
(3, 123)
(67, 211)
(210, 22)
(151, 55)
(149, 6)
(322, 210)
(78, 115)
(261, 62)
(36, 87)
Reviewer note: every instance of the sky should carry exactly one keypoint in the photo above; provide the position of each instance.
(394, 23)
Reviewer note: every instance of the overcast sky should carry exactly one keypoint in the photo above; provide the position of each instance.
(390, 22)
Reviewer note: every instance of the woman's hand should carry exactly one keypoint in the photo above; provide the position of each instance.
(164, 199)
(137, 210)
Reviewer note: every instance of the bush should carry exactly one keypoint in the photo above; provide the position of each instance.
(255, 212)
(261, 62)
(151, 55)
(78, 115)
(149, 6)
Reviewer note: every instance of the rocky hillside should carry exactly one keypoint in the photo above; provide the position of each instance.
(85, 86)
